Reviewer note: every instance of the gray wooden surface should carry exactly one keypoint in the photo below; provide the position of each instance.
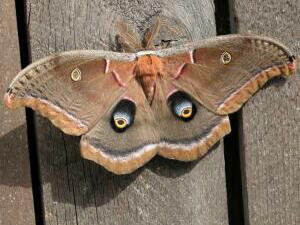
(16, 203)
(271, 122)
(76, 191)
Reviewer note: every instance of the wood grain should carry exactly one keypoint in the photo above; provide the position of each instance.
(271, 122)
(16, 202)
(76, 191)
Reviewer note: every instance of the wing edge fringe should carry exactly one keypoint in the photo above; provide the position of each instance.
(59, 117)
(242, 95)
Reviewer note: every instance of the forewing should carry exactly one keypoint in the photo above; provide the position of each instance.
(73, 89)
(226, 71)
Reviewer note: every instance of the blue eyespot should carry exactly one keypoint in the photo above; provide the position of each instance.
(121, 119)
(182, 106)
(123, 115)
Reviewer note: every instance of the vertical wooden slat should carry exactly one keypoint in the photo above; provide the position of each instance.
(76, 191)
(271, 122)
(16, 202)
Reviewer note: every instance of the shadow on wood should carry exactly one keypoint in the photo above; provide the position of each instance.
(14, 158)
(74, 169)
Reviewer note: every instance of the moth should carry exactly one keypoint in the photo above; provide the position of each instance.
(130, 106)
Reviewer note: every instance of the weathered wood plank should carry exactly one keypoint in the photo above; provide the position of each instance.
(271, 122)
(16, 203)
(76, 191)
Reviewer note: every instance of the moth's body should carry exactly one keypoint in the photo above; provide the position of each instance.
(131, 106)
(148, 68)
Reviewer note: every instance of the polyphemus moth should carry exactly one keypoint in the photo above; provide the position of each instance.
(171, 101)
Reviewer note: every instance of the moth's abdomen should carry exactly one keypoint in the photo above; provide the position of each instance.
(148, 84)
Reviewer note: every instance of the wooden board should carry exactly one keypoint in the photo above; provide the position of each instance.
(77, 191)
(16, 203)
(271, 122)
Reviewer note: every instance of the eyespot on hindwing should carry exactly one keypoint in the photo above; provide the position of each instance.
(182, 106)
(123, 115)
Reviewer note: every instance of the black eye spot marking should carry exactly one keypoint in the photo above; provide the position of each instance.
(182, 106)
(123, 115)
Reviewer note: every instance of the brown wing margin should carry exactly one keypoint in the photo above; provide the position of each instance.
(236, 99)
(59, 117)
(197, 149)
